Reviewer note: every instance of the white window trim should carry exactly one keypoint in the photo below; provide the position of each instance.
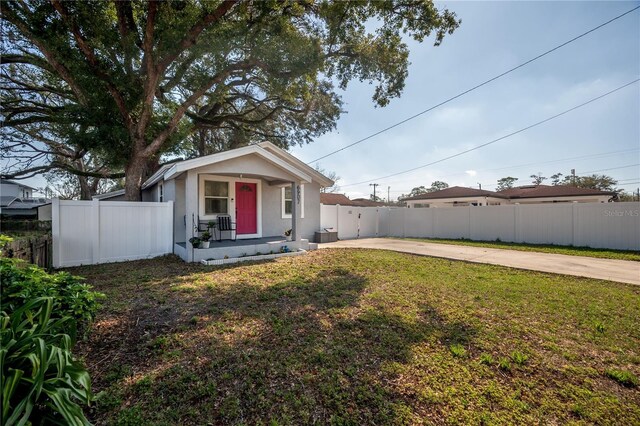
(282, 199)
(232, 200)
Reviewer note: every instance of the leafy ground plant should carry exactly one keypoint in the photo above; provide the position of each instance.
(343, 336)
(40, 378)
(40, 315)
(71, 297)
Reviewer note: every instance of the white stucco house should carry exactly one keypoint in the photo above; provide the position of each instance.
(17, 201)
(264, 189)
(457, 196)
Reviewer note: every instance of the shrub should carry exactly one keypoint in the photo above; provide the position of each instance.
(71, 298)
(40, 378)
(40, 315)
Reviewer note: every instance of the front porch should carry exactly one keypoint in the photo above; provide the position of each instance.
(231, 249)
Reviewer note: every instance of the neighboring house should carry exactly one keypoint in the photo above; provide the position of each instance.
(363, 202)
(557, 194)
(264, 189)
(10, 188)
(457, 196)
(17, 202)
(533, 194)
(331, 199)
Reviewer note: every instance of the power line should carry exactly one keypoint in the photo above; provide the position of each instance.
(502, 137)
(517, 166)
(613, 168)
(484, 83)
(593, 171)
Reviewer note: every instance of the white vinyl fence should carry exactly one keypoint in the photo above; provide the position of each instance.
(91, 232)
(597, 225)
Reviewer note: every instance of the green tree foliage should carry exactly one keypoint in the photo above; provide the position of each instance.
(438, 186)
(538, 179)
(595, 181)
(128, 82)
(506, 183)
(556, 179)
(418, 190)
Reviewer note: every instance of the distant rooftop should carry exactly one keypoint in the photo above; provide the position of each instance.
(528, 191)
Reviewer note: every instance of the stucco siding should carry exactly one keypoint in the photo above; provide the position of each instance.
(179, 216)
(251, 166)
(272, 221)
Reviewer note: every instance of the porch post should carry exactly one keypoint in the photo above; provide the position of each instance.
(191, 209)
(295, 211)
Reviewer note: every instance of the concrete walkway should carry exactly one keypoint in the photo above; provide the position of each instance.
(624, 271)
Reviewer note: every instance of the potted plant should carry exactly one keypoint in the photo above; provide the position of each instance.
(195, 242)
(205, 237)
(287, 234)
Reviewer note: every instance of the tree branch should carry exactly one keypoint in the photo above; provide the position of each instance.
(194, 32)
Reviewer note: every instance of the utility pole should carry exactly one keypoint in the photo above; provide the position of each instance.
(374, 189)
(573, 177)
(388, 195)
(479, 185)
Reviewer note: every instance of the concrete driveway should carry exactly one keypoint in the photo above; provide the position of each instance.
(624, 271)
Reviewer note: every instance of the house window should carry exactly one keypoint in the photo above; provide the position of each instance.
(160, 193)
(216, 197)
(287, 201)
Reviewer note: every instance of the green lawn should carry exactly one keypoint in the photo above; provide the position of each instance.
(544, 248)
(360, 337)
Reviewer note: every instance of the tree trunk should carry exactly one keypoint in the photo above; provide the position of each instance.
(85, 188)
(134, 173)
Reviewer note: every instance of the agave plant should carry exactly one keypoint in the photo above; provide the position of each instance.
(40, 380)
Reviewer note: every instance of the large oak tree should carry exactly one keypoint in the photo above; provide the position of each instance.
(128, 82)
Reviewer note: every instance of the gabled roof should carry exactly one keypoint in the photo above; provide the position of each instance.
(108, 195)
(456, 192)
(266, 150)
(5, 200)
(13, 182)
(320, 178)
(363, 202)
(536, 191)
(332, 199)
(17, 203)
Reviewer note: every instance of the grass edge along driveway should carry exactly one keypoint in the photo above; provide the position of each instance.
(542, 248)
(357, 337)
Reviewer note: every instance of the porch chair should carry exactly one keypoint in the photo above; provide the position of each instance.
(225, 224)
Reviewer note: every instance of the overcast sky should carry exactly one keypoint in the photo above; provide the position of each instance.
(493, 37)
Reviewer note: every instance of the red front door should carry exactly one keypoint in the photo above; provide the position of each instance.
(246, 208)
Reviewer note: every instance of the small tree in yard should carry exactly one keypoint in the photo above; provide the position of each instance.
(128, 82)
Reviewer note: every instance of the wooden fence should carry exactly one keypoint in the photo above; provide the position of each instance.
(34, 249)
